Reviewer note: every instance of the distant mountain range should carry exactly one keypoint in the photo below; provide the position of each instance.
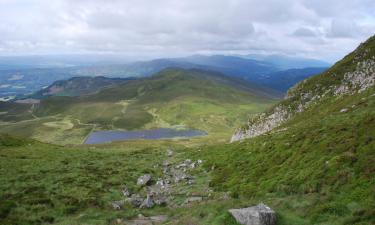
(284, 62)
(260, 71)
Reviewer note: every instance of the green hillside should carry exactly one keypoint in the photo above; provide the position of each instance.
(78, 86)
(311, 157)
(174, 98)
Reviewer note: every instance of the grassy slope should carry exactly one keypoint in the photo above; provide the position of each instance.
(318, 171)
(174, 97)
(321, 168)
(318, 167)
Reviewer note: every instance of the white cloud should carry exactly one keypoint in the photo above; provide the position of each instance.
(169, 27)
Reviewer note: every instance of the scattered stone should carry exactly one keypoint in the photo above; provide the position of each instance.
(260, 214)
(170, 152)
(190, 182)
(135, 200)
(125, 191)
(144, 180)
(117, 205)
(148, 202)
(143, 220)
(194, 199)
(199, 161)
(160, 182)
(343, 110)
(188, 161)
(166, 163)
(159, 199)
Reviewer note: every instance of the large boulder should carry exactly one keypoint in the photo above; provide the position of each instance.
(260, 214)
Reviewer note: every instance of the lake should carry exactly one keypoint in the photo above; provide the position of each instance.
(161, 133)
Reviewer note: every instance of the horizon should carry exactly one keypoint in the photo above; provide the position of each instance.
(142, 30)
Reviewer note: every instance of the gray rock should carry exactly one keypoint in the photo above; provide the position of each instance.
(117, 205)
(159, 199)
(193, 199)
(148, 202)
(143, 220)
(125, 191)
(343, 110)
(255, 215)
(170, 152)
(135, 200)
(144, 180)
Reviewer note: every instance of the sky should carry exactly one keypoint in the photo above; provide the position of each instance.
(321, 29)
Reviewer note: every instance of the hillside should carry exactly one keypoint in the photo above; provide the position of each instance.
(77, 86)
(310, 158)
(312, 155)
(172, 98)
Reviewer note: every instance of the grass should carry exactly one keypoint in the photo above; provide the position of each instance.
(318, 171)
(324, 160)
(172, 98)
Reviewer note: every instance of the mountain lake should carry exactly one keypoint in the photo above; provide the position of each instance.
(98, 137)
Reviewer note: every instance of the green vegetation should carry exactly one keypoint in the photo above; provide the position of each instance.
(316, 168)
(320, 168)
(173, 98)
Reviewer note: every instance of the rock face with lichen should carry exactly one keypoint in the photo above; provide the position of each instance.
(353, 74)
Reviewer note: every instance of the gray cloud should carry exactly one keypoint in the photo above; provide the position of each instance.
(304, 32)
(323, 29)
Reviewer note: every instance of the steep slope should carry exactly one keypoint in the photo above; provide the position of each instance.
(353, 74)
(179, 98)
(311, 157)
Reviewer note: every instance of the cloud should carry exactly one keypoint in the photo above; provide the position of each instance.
(170, 28)
(304, 32)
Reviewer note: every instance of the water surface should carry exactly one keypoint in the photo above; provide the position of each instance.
(161, 133)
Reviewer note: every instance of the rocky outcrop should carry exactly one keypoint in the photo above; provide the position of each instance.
(359, 80)
(354, 76)
(262, 124)
(260, 214)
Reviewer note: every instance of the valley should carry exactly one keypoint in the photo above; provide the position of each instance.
(177, 98)
(191, 145)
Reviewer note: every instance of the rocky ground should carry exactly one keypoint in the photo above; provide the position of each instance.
(180, 185)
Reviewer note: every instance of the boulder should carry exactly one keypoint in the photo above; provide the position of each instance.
(144, 180)
(260, 214)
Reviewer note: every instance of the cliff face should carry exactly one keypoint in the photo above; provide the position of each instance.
(353, 74)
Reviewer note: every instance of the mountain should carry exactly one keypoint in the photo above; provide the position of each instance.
(26, 80)
(174, 97)
(285, 79)
(78, 86)
(284, 62)
(312, 155)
